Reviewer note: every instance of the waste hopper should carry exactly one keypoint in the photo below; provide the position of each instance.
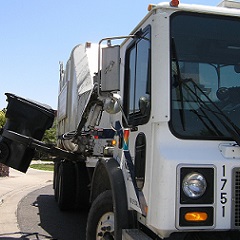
(28, 118)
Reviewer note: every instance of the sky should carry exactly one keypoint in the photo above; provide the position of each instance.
(36, 34)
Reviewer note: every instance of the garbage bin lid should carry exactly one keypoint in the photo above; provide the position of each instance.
(40, 106)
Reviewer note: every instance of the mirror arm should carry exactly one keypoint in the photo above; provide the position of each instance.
(123, 113)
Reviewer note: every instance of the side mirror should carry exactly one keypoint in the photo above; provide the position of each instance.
(112, 105)
(144, 105)
(110, 74)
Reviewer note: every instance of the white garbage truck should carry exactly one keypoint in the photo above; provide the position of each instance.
(148, 130)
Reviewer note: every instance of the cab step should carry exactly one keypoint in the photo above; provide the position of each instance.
(134, 234)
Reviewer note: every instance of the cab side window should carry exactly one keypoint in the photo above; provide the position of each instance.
(137, 92)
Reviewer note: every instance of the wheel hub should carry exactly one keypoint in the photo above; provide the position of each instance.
(105, 227)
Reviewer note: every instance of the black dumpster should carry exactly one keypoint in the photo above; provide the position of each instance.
(28, 118)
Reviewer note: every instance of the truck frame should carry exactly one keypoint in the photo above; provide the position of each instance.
(148, 131)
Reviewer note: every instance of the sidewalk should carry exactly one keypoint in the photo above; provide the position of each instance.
(12, 190)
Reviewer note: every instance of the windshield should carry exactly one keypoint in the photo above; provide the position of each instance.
(205, 65)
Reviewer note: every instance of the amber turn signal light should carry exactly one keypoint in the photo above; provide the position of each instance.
(196, 216)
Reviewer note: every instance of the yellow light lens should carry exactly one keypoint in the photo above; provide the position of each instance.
(114, 142)
(196, 216)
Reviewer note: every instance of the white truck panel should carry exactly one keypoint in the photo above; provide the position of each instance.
(78, 83)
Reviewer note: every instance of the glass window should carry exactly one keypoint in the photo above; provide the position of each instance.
(137, 80)
(205, 58)
(131, 75)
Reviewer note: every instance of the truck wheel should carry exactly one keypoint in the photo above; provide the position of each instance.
(82, 188)
(66, 186)
(55, 180)
(100, 223)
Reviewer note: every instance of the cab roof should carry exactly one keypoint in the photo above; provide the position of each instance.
(224, 8)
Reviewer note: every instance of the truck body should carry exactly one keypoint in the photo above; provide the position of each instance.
(152, 127)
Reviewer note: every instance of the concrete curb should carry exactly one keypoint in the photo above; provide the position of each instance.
(13, 189)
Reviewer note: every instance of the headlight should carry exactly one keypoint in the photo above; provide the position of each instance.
(194, 185)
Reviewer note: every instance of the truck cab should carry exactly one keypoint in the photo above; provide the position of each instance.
(148, 130)
(180, 90)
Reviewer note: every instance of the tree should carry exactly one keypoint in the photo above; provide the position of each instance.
(2, 117)
(4, 170)
(48, 138)
(50, 134)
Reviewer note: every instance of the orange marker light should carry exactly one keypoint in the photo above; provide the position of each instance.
(146, 209)
(196, 216)
(151, 6)
(114, 142)
(174, 3)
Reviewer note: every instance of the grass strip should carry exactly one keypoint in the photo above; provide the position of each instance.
(45, 167)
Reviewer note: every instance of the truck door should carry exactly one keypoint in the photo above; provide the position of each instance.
(137, 102)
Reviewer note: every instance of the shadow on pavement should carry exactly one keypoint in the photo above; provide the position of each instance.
(24, 236)
(38, 212)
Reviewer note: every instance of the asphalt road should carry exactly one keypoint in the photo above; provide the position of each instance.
(39, 218)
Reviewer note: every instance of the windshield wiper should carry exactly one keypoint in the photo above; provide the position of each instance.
(213, 129)
(226, 121)
(177, 77)
(178, 82)
(229, 126)
(202, 115)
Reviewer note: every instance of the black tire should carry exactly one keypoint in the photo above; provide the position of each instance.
(66, 192)
(100, 223)
(82, 186)
(55, 180)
